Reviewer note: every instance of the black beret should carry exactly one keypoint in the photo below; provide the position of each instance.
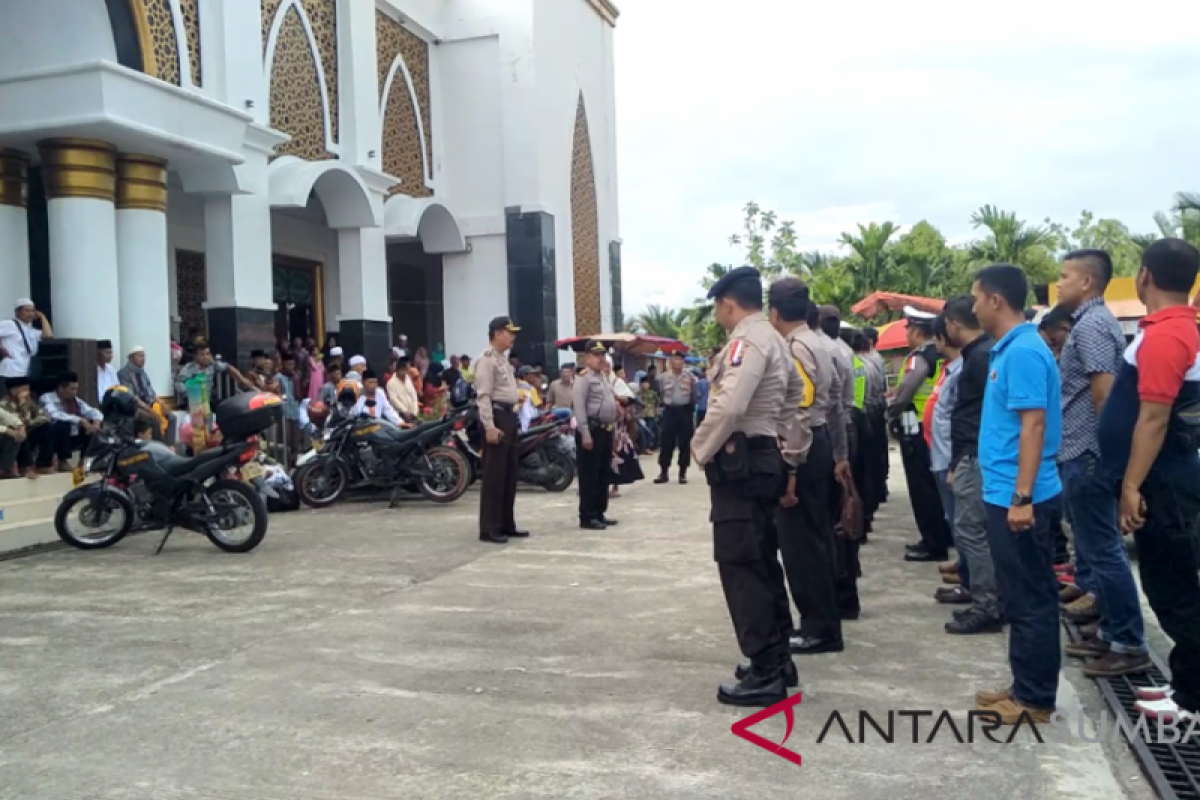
(733, 277)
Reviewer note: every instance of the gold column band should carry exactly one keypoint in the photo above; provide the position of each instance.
(79, 168)
(141, 182)
(14, 178)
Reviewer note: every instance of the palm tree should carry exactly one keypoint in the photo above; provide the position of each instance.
(1184, 220)
(870, 260)
(660, 321)
(1009, 239)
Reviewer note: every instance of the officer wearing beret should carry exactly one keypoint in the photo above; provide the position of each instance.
(497, 395)
(755, 392)
(920, 373)
(595, 408)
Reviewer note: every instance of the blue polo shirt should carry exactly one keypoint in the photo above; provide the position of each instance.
(1023, 376)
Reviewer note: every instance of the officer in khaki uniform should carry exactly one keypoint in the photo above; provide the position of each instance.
(595, 408)
(806, 532)
(497, 397)
(755, 392)
(678, 389)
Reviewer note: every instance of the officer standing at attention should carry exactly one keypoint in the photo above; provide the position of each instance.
(595, 408)
(805, 528)
(755, 392)
(678, 389)
(921, 370)
(497, 396)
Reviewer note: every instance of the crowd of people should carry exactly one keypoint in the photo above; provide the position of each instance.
(1006, 427)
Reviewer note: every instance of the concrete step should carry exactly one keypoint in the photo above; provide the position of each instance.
(26, 489)
(14, 512)
(19, 535)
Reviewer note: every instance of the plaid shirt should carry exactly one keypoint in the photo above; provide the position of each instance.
(1095, 346)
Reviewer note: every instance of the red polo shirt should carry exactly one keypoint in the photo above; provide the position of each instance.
(1170, 343)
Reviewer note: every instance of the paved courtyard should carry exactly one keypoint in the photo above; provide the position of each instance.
(363, 654)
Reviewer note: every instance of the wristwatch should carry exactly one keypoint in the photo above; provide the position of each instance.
(1019, 499)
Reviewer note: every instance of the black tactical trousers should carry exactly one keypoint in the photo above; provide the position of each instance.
(745, 548)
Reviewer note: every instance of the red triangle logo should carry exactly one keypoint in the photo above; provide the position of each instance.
(742, 728)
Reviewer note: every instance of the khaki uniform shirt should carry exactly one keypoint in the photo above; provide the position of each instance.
(677, 390)
(494, 381)
(815, 369)
(593, 400)
(561, 395)
(755, 389)
(836, 416)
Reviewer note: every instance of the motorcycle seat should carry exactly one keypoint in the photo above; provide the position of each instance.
(177, 465)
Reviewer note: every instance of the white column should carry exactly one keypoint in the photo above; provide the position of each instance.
(80, 177)
(362, 275)
(358, 84)
(14, 226)
(143, 267)
(237, 244)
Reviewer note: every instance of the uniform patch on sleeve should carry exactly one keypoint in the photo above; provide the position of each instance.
(737, 353)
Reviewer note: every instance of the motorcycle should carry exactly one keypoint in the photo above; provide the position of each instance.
(145, 483)
(545, 457)
(362, 452)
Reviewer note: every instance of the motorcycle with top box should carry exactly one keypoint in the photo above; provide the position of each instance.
(144, 481)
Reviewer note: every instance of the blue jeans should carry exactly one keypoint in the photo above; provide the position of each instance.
(1093, 506)
(948, 506)
(1025, 576)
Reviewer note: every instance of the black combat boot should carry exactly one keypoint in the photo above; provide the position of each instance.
(791, 676)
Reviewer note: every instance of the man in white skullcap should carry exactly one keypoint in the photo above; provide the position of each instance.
(20, 338)
(920, 373)
(358, 365)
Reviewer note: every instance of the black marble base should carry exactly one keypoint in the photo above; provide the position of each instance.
(368, 338)
(233, 332)
(532, 292)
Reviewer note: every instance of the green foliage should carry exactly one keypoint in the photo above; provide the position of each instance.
(878, 256)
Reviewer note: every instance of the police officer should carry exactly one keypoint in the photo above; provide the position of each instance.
(497, 397)
(918, 376)
(678, 389)
(806, 535)
(595, 408)
(755, 392)
(870, 403)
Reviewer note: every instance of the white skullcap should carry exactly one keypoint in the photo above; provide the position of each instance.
(22, 302)
(356, 360)
(137, 348)
(335, 351)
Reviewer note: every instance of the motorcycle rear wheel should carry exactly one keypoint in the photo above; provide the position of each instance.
(562, 467)
(258, 509)
(451, 475)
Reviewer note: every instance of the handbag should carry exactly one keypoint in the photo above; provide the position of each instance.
(34, 371)
(850, 523)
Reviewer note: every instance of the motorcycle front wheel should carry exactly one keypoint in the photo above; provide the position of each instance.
(106, 518)
(241, 516)
(562, 470)
(322, 482)
(448, 475)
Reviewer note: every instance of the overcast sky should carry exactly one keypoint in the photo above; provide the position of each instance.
(833, 112)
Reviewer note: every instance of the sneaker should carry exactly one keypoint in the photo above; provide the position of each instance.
(989, 697)
(1162, 709)
(1112, 665)
(972, 624)
(952, 595)
(1013, 711)
(1085, 609)
(1153, 692)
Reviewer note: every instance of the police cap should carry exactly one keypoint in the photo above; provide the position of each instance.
(733, 278)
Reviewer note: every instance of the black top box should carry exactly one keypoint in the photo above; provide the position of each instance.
(247, 414)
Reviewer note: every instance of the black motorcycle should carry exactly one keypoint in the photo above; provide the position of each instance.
(364, 452)
(145, 483)
(545, 458)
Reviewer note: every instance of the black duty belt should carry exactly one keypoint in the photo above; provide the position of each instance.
(509, 407)
(604, 426)
(762, 442)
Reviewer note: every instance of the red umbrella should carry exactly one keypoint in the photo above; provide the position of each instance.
(878, 302)
(636, 343)
(893, 336)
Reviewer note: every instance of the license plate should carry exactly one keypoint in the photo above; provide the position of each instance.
(77, 476)
(251, 471)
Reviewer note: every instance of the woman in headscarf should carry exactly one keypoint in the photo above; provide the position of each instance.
(626, 468)
(434, 391)
(421, 360)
